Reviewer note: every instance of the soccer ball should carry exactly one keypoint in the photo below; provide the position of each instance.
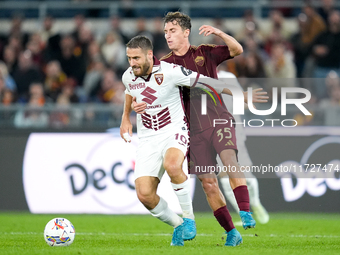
(59, 232)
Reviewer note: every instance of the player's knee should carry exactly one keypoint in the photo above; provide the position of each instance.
(210, 185)
(145, 196)
(173, 169)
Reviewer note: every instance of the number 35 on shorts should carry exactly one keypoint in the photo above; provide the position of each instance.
(224, 133)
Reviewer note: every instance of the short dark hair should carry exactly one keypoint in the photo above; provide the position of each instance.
(182, 19)
(140, 41)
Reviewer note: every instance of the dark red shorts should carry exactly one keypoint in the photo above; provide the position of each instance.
(205, 145)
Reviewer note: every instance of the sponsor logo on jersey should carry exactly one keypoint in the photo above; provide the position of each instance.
(140, 85)
(159, 78)
(199, 60)
(154, 106)
(149, 98)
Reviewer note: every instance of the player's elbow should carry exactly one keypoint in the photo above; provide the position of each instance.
(237, 51)
(240, 49)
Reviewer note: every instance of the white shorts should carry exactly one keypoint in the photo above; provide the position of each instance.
(151, 151)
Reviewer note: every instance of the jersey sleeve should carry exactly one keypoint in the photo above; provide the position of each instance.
(216, 53)
(125, 81)
(185, 77)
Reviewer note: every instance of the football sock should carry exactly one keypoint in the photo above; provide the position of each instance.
(163, 212)
(242, 197)
(223, 217)
(228, 192)
(253, 188)
(182, 191)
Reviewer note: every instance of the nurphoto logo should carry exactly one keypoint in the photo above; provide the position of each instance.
(238, 105)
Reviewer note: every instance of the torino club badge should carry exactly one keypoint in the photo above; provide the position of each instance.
(159, 77)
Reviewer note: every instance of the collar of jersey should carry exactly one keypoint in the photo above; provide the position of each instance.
(190, 50)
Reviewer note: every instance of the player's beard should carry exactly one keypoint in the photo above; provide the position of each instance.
(143, 69)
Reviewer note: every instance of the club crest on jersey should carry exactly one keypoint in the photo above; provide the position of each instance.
(159, 77)
(199, 60)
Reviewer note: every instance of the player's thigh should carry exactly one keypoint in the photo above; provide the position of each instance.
(173, 159)
(222, 170)
(176, 147)
(149, 159)
(202, 153)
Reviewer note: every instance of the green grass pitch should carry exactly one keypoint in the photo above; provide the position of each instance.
(286, 233)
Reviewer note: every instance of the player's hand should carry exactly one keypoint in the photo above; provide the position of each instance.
(208, 30)
(126, 129)
(138, 107)
(259, 96)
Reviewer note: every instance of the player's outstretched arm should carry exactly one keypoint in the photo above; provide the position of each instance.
(126, 126)
(258, 96)
(185, 77)
(234, 46)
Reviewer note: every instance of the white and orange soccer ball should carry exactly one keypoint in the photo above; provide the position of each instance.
(59, 232)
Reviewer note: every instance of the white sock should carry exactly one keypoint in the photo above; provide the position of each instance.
(253, 189)
(229, 193)
(182, 191)
(163, 212)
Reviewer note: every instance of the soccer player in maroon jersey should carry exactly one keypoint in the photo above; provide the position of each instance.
(205, 140)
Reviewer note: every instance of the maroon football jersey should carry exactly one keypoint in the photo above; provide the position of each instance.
(203, 59)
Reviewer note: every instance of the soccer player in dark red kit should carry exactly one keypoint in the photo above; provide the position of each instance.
(205, 140)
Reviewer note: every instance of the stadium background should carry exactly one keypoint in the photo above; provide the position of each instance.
(75, 69)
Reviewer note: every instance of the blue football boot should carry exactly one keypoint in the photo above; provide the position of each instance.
(189, 229)
(234, 238)
(247, 220)
(177, 236)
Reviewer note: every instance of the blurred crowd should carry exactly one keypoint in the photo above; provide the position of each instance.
(49, 67)
(311, 52)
